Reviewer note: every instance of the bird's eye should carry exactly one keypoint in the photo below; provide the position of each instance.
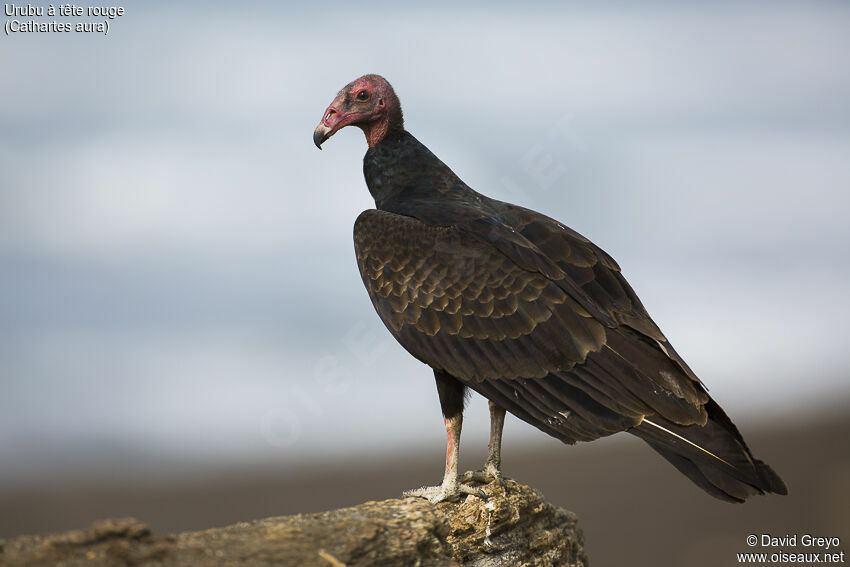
(363, 95)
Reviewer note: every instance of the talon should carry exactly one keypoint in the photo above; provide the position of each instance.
(474, 476)
(490, 473)
(495, 475)
(473, 491)
(441, 493)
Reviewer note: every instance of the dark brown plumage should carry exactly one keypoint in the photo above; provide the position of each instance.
(525, 311)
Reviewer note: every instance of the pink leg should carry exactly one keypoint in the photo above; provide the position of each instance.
(450, 488)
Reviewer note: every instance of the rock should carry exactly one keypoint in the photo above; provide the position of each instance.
(514, 526)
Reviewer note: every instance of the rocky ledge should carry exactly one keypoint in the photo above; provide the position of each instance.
(513, 526)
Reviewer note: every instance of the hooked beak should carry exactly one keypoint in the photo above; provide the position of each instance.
(320, 134)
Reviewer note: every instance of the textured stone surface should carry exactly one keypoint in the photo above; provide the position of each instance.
(514, 526)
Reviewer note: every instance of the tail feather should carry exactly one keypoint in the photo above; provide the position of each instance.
(733, 491)
(714, 456)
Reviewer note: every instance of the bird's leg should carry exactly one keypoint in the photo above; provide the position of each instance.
(493, 467)
(451, 393)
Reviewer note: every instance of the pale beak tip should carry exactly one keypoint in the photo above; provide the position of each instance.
(320, 134)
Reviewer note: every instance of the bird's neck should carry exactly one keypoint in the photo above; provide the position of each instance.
(376, 132)
(402, 175)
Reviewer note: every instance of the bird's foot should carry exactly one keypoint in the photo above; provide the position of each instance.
(445, 492)
(490, 473)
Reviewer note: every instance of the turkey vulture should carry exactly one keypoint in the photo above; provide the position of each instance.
(523, 310)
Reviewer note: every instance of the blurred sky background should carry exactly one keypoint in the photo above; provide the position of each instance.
(177, 277)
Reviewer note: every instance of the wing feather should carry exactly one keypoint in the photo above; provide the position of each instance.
(464, 306)
(535, 317)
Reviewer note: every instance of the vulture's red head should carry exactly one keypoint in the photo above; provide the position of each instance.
(368, 103)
